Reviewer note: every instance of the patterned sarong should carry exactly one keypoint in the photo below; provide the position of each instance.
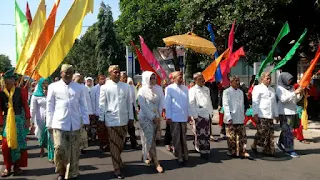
(66, 157)
(237, 139)
(201, 129)
(117, 137)
(265, 135)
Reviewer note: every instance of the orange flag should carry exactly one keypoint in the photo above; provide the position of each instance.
(42, 43)
(306, 78)
(209, 72)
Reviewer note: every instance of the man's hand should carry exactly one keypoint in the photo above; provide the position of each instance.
(189, 119)
(230, 121)
(27, 125)
(156, 120)
(255, 117)
(131, 123)
(299, 90)
(50, 130)
(169, 121)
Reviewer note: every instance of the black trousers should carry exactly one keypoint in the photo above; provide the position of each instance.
(167, 136)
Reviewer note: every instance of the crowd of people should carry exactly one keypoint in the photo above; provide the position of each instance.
(70, 112)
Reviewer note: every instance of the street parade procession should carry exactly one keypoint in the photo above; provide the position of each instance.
(68, 113)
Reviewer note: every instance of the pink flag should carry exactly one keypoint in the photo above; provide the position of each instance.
(151, 59)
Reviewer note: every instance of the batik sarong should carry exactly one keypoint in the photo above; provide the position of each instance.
(236, 139)
(83, 138)
(117, 137)
(179, 139)
(17, 156)
(66, 153)
(265, 135)
(148, 136)
(287, 124)
(201, 129)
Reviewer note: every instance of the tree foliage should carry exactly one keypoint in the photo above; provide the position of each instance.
(98, 47)
(257, 23)
(107, 48)
(5, 63)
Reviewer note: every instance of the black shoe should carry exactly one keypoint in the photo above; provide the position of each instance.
(83, 151)
(254, 149)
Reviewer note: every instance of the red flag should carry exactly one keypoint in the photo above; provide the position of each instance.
(144, 65)
(226, 69)
(231, 37)
(306, 78)
(28, 14)
(234, 58)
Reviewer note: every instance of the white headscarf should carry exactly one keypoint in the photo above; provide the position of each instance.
(133, 89)
(147, 91)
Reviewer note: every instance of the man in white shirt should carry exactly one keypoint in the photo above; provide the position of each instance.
(178, 114)
(131, 129)
(265, 109)
(98, 126)
(85, 133)
(233, 104)
(201, 112)
(66, 111)
(117, 112)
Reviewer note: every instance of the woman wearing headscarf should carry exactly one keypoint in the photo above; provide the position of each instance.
(287, 102)
(150, 102)
(38, 105)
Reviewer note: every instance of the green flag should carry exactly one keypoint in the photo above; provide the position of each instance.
(292, 51)
(22, 29)
(269, 59)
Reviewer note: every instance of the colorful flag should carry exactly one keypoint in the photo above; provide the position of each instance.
(234, 57)
(28, 14)
(22, 29)
(32, 38)
(218, 75)
(290, 54)
(211, 69)
(269, 59)
(306, 78)
(151, 59)
(226, 69)
(42, 43)
(64, 38)
(144, 65)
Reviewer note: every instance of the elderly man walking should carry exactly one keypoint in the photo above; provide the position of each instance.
(178, 114)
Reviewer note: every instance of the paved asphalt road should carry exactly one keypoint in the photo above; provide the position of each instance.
(97, 166)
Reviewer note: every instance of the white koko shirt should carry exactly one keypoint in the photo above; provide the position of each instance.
(264, 102)
(66, 106)
(233, 104)
(115, 104)
(200, 102)
(177, 103)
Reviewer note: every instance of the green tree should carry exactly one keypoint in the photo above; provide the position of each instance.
(5, 63)
(107, 48)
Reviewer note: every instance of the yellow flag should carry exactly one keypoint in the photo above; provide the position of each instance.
(32, 38)
(63, 40)
(304, 116)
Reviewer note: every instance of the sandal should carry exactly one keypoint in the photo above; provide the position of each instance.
(305, 142)
(5, 173)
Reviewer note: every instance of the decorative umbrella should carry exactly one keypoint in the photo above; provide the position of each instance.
(192, 41)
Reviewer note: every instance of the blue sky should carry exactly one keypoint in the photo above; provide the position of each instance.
(7, 33)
